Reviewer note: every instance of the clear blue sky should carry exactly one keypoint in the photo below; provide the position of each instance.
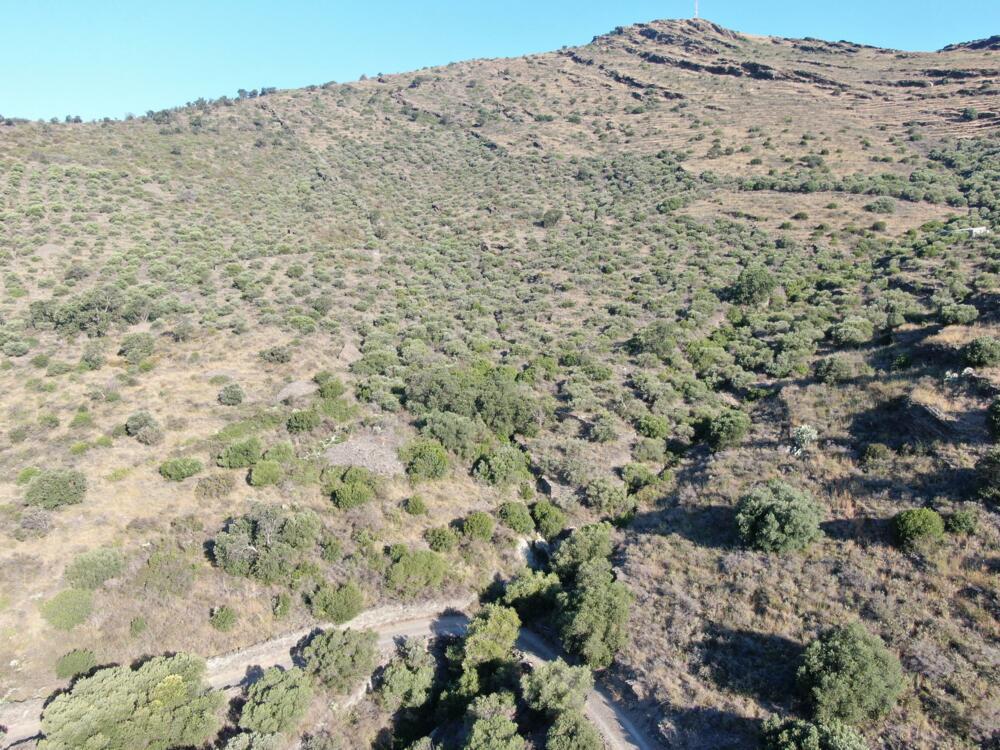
(102, 58)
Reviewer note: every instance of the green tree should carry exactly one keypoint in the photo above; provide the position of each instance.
(478, 525)
(587, 543)
(516, 517)
(725, 430)
(556, 687)
(406, 681)
(162, 704)
(532, 593)
(549, 519)
(571, 731)
(491, 724)
(339, 658)
(795, 734)
(848, 675)
(276, 702)
(595, 614)
(414, 571)
(753, 286)
(776, 517)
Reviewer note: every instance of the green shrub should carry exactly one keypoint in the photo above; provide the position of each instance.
(304, 420)
(955, 314)
(962, 522)
(441, 538)
(852, 331)
(875, 455)
(988, 476)
(517, 517)
(215, 486)
(265, 473)
(502, 466)
(415, 506)
(136, 347)
(725, 430)
(653, 426)
(283, 453)
(478, 525)
(337, 604)
(424, 458)
(795, 734)
(16, 348)
(461, 435)
(339, 659)
(144, 428)
(555, 687)
(982, 352)
(833, 369)
(594, 614)
(331, 388)
(608, 497)
(753, 286)
(240, 455)
(413, 572)
(76, 662)
(164, 703)
(277, 701)
(915, 526)
(277, 355)
(585, 544)
(993, 418)
(55, 488)
(68, 608)
(231, 395)
(571, 731)
(179, 469)
(223, 618)
(637, 476)
(407, 680)
(89, 570)
(848, 675)
(532, 594)
(778, 518)
(549, 519)
(883, 205)
(491, 725)
(350, 487)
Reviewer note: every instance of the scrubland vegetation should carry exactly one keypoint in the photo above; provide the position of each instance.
(673, 348)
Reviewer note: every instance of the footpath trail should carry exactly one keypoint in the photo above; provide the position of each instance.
(228, 672)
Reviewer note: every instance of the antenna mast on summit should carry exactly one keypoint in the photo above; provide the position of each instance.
(696, 8)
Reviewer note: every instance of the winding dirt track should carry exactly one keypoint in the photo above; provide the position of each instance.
(228, 672)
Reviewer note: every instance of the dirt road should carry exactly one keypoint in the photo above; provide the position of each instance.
(228, 672)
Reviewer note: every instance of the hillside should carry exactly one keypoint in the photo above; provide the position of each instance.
(634, 280)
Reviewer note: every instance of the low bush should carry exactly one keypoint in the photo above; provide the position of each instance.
(265, 473)
(337, 604)
(982, 352)
(917, 526)
(833, 369)
(413, 572)
(502, 466)
(549, 519)
(852, 331)
(441, 538)
(778, 518)
(215, 486)
(277, 355)
(516, 517)
(339, 659)
(304, 420)
(608, 497)
(240, 455)
(231, 395)
(89, 570)
(725, 429)
(795, 734)
(144, 428)
(848, 675)
(179, 469)
(963, 522)
(74, 663)
(54, 488)
(478, 525)
(955, 314)
(415, 505)
(68, 608)
(424, 458)
(223, 618)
